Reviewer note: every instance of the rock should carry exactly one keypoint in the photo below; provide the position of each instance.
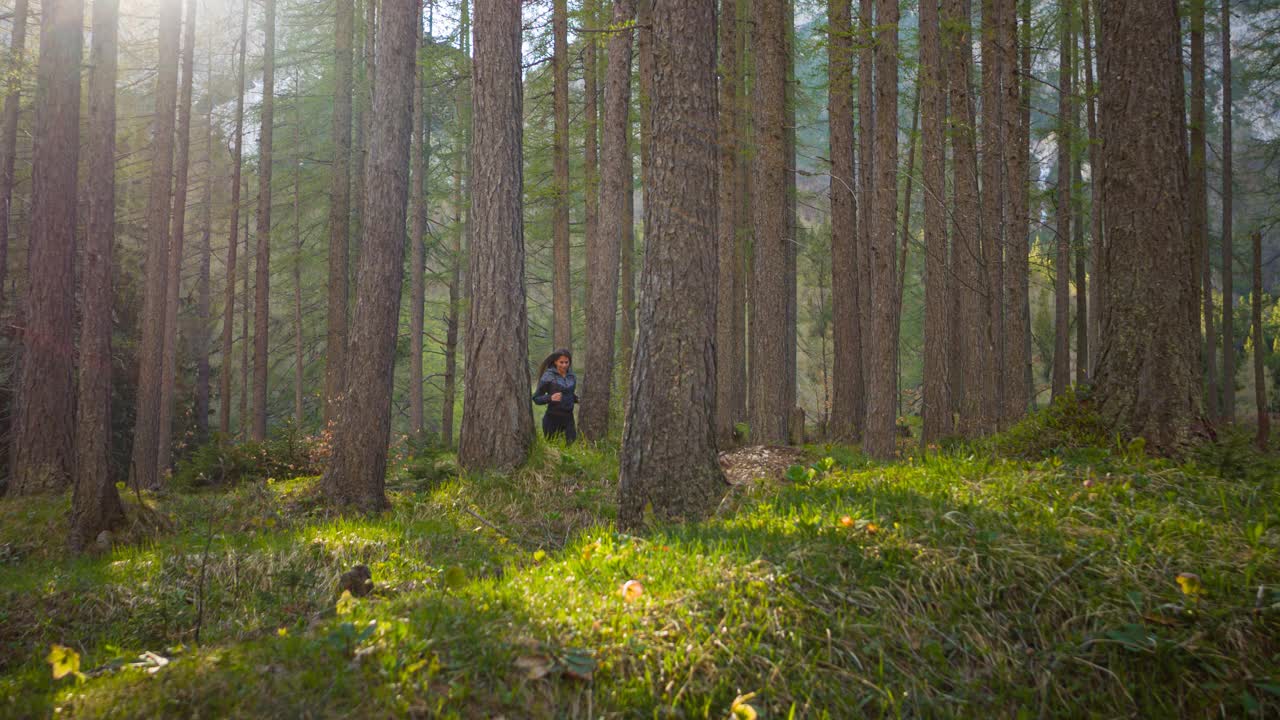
(358, 581)
(103, 541)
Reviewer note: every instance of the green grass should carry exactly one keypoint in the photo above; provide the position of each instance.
(958, 584)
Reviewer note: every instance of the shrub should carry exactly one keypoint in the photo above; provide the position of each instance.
(221, 462)
(1068, 424)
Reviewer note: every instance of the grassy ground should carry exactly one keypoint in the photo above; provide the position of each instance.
(958, 583)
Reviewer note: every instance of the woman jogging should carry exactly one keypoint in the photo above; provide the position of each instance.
(556, 385)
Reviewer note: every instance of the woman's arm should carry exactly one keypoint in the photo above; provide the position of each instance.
(542, 396)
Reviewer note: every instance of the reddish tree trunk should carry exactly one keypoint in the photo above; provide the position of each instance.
(1228, 240)
(9, 131)
(562, 315)
(229, 301)
(339, 210)
(1062, 262)
(262, 265)
(936, 396)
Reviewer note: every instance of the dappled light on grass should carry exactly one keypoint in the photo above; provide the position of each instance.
(950, 583)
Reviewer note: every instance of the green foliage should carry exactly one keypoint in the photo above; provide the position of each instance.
(1233, 455)
(220, 463)
(1068, 424)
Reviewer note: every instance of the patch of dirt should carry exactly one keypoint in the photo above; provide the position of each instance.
(742, 465)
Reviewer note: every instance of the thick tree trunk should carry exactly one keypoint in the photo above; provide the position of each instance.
(742, 213)
(357, 471)
(262, 265)
(1228, 241)
(627, 284)
(1015, 393)
(992, 238)
(1259, 348)
(363, 108)
(1082, 293)
(421, 153)
(1097, 240)
(229, 301)
(144, 471)
(792, 344)
(299, 411)
(204, 291)
(965, 239)
(9, 131)
(339, 210)
(865, 174)
(462, 111)
(668, 460)
(937, 402)
(848, 403)
(1023, 207)
(95, 504)
(1148, 380)
(562, 315)
(591, 126)
(246, 301)
(1200, 205)
(177, 237)
(769, 378)
(497, 421)
(1062, 262)
(726, 228)
(602, 259)
(880, 430)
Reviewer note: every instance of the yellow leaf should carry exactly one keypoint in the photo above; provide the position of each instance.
(846, 521)
(1190, 584)
(740, 710)
(632, 590)
(64, 660)
(346, 603)
(284, 632)
(539, 556)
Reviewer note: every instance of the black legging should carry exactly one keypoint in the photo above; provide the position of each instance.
(554, 423)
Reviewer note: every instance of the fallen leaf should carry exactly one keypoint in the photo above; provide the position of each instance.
(846, 521)
(632, 590)
(64, 661)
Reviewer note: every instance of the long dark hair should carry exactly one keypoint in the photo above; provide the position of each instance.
(550, 362)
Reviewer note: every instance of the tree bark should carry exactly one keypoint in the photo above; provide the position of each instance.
(229, 301)
(880, 432)
(339, 210)
(95, 504)
(1097, 241)
(992, 237)
(204, 291)
(792, 344)
(602, 259)
(562, 314)
(591, 126)
(144, 468)
(770, 414)
(726, 228)
(848, 402)
(1200, 205)
(1062, 263)
(668, 460)
(299, 411)
(1082, 293)
(356, 473)
(1259, 348)
(627, 284)
(965, 239)
(497, 422)
(177, 237)
(865, 163)
(1015, 393)
(1228, 241)
(262, 265)
(462, 108)
(246, 301)
(418, 263)
(938, 420)
(9, 131)
(1148, 380)
(742, 213)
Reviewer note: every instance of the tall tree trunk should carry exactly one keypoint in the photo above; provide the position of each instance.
(965, 239)
(1259, 348)
(769, 373)
(1023, 208)
(880, 430)
(1200, 205)
(204, 337)
(627, 286)
(299, 411)
(602, 259)
(246, 301)
(462, 108)
(1015, 393)
(792, 342)
(339, 210)
(726, 228)
(1228, 241)
(992, 238)
(742, 213)
(144, 470)
(1062, 263)
(421, 148)
(1148, 380)
(262, 265)
(363, 106)
(562, 315)
(9, 131)
(900, 260)
(937, 318)
(865, 172)
(497, 422)
(591, 129)
(848, 402)
(668, 457)
(177, 237)
(1097, 241)
(356, 473)
(95, 504)
(1082, 293)
(229, 302)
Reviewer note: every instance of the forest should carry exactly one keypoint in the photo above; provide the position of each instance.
(922, 358)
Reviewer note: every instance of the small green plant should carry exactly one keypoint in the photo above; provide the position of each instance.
(221, 462)
(1070, 423)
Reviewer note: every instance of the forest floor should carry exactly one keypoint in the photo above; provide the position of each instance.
(992, 581)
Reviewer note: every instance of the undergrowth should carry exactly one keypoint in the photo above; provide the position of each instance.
(1069, 583)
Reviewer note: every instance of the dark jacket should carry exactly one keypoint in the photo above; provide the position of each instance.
(551, 383)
